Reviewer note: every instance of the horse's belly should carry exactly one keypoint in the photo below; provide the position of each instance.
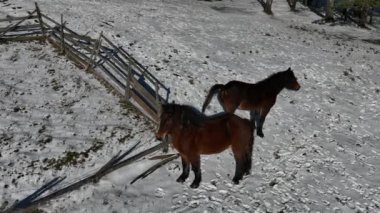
(245, 105)
(209, 150)
(213, 143)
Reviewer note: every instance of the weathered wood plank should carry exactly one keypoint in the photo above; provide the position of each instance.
(144, 106)
(149, 94)
(150, 75)
(23, 28)
(144, 97)
(57, 41)
(150, 98)
(95, 51)
(27, 34)
(112, 80)
(21, 39)
(93, 177)
(112, 58)
(62, 35)
(130, 60)
(10, 19)
(149, 171)
(76, 57)
(74, 42)
(109, 74)
(83, 37)
(11, 27)
(144, 72)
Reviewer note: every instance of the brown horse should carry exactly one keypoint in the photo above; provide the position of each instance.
(192, 134)
(258, 98)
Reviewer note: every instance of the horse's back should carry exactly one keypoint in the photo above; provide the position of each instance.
(230, 124)
(240, 124)
(218, 132)
(241, 135)
(236, 84)
(213, 137)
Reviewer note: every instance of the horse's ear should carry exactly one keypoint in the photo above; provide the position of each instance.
(289, 69)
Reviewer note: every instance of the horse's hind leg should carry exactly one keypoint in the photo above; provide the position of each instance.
(196, 167)
(239, 170)
(185, 170)
(248, 165)
(239, 155)
(228, 104)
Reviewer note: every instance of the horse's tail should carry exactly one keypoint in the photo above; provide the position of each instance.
(214, 90)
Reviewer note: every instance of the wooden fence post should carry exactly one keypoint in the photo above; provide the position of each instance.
(40, 21)
(157, 96)
(129, 80)
(11, 27)
(62, 36)
(95, 51)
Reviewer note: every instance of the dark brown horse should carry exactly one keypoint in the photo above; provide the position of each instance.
(192, 134)
(258, 98)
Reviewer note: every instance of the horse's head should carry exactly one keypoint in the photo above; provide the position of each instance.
(291, 80)
(175, 117)
(166, 124)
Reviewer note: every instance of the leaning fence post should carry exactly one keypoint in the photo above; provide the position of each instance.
(157, 96)
(62, 36)
(95, 51)
(128, 83)
(40, 21)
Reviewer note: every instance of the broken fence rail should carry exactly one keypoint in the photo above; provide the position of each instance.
(113, 164)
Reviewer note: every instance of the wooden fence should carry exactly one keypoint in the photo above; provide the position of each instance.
(111, 63)
(113, 66)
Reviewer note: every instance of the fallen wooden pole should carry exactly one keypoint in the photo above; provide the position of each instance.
(149, 171)
(28, 203)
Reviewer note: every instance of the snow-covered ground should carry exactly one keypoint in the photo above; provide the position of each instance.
(321, 150)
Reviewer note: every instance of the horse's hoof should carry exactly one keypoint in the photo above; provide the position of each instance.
(235, 181)
(260, 134)
(194, 185)
(181, 180)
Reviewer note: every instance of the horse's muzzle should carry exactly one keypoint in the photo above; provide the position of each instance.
(296, 86)
(159, 137)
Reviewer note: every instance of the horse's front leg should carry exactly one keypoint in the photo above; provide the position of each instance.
(254, 118)
(196, 167)
(263, 113)
(239, 171)
(185, 170)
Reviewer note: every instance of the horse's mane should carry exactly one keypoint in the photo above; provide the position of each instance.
(275, 81)
(191, 116)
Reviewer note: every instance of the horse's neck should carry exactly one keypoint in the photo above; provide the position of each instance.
(269, 87)
(179, 137)
(277, 90)
(180, 132)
